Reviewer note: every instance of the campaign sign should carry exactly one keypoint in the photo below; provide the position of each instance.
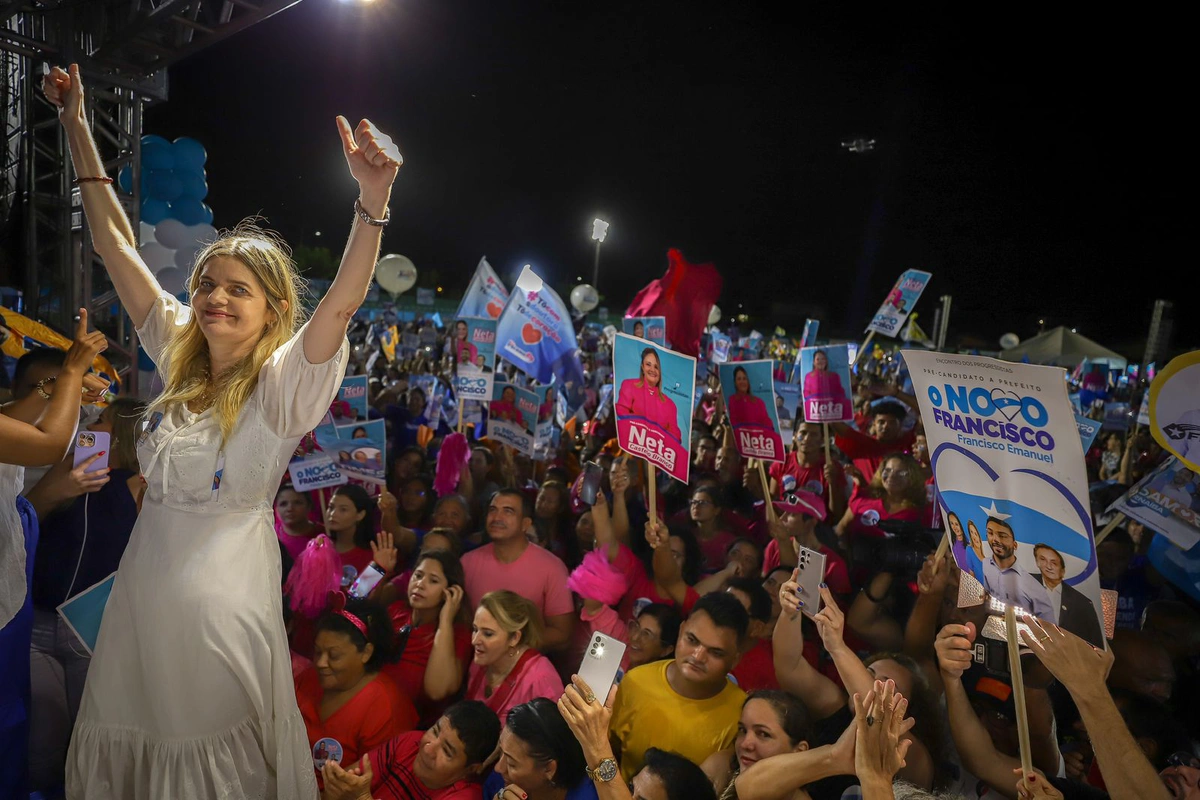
(720, 348)
(900, 302)
(359, 450)
(512, 417)
(485, 296)
(1143, 417)
(354, 391)
(543, 432)
(315, 471)
(787, 406)
(825, 382)
(654, 403)
(535, 334)
(653, 329)
(1088, 428)
(1175, 408)
(748, 389)
(473, 344)
(808, 338)
(1012, 486)
(1167, 500)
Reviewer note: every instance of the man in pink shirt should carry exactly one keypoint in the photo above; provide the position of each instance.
(512, 562)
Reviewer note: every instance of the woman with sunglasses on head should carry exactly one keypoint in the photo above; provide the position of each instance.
(349, 706)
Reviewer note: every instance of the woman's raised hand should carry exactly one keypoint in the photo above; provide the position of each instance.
(450, 605)
(85, 347)
(373, 158)
(64, 89)
(384, 553)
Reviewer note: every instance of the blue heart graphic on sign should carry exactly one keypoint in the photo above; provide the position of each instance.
(1006, 402)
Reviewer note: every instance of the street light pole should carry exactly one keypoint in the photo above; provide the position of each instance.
(596, 267)
(599, 232)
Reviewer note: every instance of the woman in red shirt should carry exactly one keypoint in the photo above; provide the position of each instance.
(293, 524)
(348, 705)
(714, 538)
(435, 636)
(896, 491)
(350, 523)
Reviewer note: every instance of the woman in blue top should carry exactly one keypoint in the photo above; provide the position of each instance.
(540, 758)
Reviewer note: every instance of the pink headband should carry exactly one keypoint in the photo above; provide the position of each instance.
(338, 606)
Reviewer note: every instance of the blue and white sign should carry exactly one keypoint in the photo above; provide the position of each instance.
(353, 391)
(315, 471)
(1012, 486)
(652, 329)
(1088, 428)
(485, 296)
(900, 302)
(512, 417)
(536, 335)
(1167, 500)
(473, 347)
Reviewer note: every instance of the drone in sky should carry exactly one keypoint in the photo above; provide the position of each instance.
(859, 145)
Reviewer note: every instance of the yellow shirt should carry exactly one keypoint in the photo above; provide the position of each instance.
(649, 713)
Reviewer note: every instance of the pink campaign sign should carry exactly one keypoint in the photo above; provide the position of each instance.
(654, 387)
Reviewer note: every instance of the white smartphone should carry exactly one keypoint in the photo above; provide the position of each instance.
(90, 443)
(366, 581)
(811, 566)
(601, 661)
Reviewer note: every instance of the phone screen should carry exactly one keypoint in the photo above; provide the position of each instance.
(88, 444)
(593, 473)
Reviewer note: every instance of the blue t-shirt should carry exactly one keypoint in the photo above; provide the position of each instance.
(584, 790)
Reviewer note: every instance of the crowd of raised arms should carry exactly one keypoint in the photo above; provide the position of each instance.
(455, 675)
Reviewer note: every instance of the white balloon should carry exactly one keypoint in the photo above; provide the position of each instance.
(201, 235)
(1009, 340)
(156, 256)
(395, 273)
(584, 297)
(185, 257)
(714, 316)
(146, 233)
(171, 233)
(171, 279)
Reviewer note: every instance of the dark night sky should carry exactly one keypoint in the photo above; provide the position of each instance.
(1028, 164)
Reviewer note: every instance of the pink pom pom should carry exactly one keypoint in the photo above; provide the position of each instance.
(597, 579)
(316, 573)
(452, 457)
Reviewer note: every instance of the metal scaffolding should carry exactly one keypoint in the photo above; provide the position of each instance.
(123, 48)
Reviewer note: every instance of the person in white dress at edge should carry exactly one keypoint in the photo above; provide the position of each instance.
(34, 431)
(190, 691)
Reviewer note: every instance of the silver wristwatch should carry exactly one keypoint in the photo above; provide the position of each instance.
(604, 772)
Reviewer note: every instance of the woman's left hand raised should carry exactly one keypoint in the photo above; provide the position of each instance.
(374, 160)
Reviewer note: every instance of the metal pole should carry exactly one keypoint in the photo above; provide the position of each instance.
(945, 328)
(596, 269)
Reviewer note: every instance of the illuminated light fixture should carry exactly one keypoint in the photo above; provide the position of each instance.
(599, 229)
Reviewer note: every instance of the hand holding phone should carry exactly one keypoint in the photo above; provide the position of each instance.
(601, 662)
(593, 473)
(92, 443)
(810, 575)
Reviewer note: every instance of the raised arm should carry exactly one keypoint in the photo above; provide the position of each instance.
(606, 541)
(112, 235)
(667, 574)
(795, 675)
(374, 160)
(444, 672)
(47, 440)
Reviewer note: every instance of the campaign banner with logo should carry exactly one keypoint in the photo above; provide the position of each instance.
(654, 403)
(653, 329)
(512, 417)
(719, 349)
(1012, 485)
(535, 334)
(1167, 500)
(1175, 408)
(315, 471)
(825, 383)
(543, 432)
(1088, 428)
(787, 408)
(473, 346)
(1143, 417)
(353, 392)
(900, 302)
(748, 388)
(485, 296)
(359, 450)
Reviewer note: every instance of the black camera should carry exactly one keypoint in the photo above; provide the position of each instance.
(901, 551)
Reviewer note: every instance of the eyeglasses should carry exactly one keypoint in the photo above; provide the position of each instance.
(698, 503)
(886, 471)
(1183, 758)
(642, 633)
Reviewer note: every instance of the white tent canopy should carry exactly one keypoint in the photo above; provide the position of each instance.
(1059, 347)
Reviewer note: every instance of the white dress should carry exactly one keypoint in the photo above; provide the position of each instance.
(190, 692)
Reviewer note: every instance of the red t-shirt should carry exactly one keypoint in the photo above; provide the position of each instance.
(869, 511)
(392, 767)
(642, 586)
(756, 668)
(409, 671)
(714, 550)
(377, 713)
(809, 478)
(867, 452)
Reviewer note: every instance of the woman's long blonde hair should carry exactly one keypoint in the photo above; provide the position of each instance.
(269, 258)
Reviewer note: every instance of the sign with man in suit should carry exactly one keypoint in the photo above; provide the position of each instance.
(1072, 609)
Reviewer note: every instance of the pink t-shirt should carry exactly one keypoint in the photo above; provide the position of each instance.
(537, 678)
(538, 575)
(638, 399)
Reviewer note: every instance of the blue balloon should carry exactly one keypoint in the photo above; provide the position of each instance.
(190, 211)
(193, 183)
(189, 154)
(154, 211)
(157, 153)
(161, 184)
(125, 179)
(208, 214)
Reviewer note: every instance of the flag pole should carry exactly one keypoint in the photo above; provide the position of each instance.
(1018, 685)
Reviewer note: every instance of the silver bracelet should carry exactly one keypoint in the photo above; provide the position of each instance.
(367, 218)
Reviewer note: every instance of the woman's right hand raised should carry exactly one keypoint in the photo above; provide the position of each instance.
(64, 89)
(85, 347)
(450, 605)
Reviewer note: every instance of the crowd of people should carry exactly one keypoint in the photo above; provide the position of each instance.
(404, 642)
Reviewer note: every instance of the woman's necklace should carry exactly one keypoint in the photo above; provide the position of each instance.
(207, 397)
(494, 679)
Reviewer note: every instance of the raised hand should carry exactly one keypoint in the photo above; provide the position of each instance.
(384, 553)
(588, 717)
(879, 749)
(387, 502)
(619, 478)
(1034, 786)
(373, 158)
(79, 481)
(789, 594)
(934, 575)
(347, 784)
(656, 534)
(1076, 664)
(831, 622)
(450, 605)
(64, 89)
(94, 388)
(85, 347)
(955, 646)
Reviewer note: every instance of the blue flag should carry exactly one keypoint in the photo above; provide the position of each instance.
(485, 296)
(535, 334)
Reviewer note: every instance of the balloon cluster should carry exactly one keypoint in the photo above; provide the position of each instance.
(176, 222)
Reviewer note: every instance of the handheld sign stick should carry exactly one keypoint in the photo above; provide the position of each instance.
(825, 433)
(651, 492)
(862, 348)
(1018, 685)
(943, 546)
(762, 474)
(1119, 519)
(460, 414)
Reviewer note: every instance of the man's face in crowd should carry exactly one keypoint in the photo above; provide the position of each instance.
(505, 518)
(706, 452)
(441, 757)
(705, 653)
(450, 514)
(809, 438)
(1050, 565)
(885, 427)
(1000, 539)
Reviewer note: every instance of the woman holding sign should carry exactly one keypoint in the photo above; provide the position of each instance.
(643, 396)
(190, 690)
